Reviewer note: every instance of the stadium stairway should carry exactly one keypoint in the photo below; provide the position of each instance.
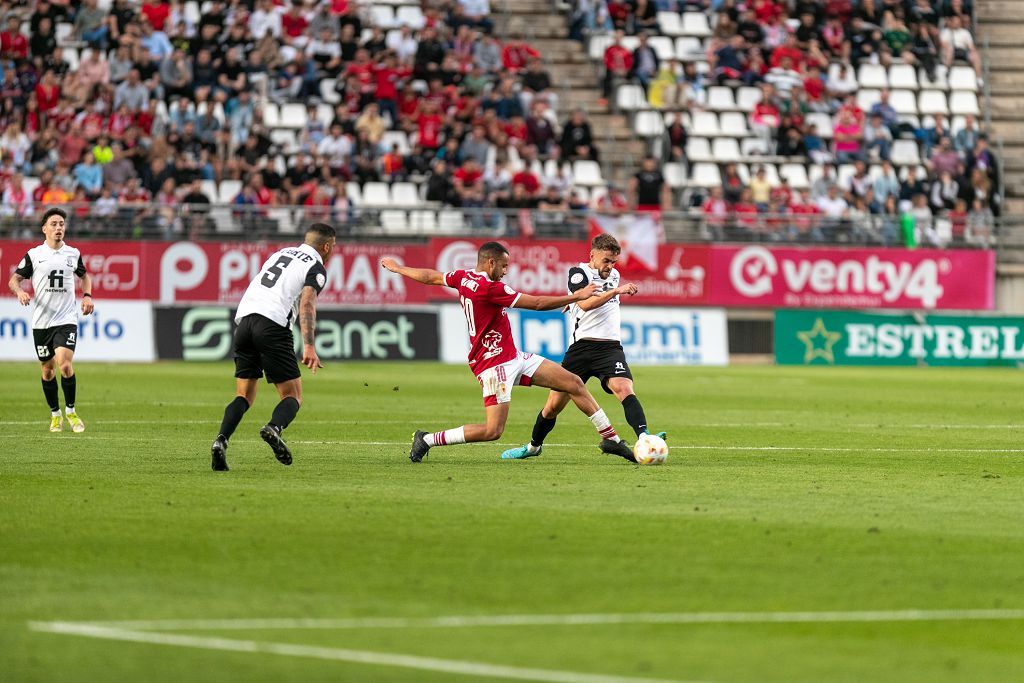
(1001, 27)
(574, 78)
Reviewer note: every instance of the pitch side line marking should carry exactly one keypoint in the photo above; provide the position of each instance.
(563, 620)
(807, 449)
(752, 425)
(450, 666)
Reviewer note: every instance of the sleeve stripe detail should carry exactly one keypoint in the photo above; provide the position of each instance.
(514, 301)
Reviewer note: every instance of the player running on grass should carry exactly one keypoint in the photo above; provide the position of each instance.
(263, 342)
(596, 349)
(493, 356)
(53, 267)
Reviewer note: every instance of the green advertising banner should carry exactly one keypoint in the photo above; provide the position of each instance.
(852, 338)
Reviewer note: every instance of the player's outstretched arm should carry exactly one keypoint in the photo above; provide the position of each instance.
(15, 284)
(604, 297)
(424, 275)
(550, 303)
(307, 324)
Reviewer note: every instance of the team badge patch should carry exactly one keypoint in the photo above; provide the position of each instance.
(321, 279)
(509, 290)
(71, 261)
(576, 278)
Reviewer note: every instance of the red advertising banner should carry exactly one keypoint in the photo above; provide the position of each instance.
(180, 272)
(791, 277)
(680, 277)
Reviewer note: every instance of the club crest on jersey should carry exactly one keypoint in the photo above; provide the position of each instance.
(492, 342)
(71, 261)
(577, 278)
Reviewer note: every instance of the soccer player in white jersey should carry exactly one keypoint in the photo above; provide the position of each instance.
(53, 267)
(596, 349)
(263, 342)
(493, 356)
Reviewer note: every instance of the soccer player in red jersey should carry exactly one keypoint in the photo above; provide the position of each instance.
(493, 356)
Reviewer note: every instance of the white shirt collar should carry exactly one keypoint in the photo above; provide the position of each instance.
(311, 251)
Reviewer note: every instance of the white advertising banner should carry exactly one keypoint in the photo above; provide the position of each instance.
(115, 331)
(650, 335)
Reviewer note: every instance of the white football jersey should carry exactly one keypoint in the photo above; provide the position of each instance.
(53, 275)
(275, 290)
(602, 322)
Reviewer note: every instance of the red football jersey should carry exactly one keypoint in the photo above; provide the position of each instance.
(484, 302)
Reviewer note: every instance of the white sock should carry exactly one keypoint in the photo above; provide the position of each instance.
(449, 437)
(54, 414)
(604, 426)
(531, 449)
(70, 410)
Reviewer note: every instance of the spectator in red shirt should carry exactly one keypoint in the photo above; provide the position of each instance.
(13, 44)
(788, 49)
(387, 75)
(48, 92)
(716, 213)
(528, 180)
(429, 124)
(517, 54)
(294, 25)
(156, 12)
(746, 212)
(618, 62)
(468, 179)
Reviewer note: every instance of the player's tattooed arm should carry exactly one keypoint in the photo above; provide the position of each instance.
(15, 284)
(424, 275)
(307, 324)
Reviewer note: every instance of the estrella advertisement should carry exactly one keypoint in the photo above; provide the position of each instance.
(852, 338)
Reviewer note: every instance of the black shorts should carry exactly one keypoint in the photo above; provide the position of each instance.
(602, 359)
(262, 346)
(49, 338)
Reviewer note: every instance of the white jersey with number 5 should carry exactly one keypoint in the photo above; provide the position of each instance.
(275, 290)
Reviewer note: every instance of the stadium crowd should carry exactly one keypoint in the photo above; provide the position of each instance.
(143, 108)
(799, 64)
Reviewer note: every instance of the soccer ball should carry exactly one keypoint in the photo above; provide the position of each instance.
(650, 450)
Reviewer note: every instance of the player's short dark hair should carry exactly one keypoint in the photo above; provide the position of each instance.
(491, 250)
(319, 234)
(605, 242)
(53, 211)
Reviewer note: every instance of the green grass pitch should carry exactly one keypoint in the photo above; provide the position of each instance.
(787, 490)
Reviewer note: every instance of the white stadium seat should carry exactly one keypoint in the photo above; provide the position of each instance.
(696, 24)
(229, 189)
(903, 101)
(405, 195)
(670, 23)
(599, 42)
(293, 115)
(663, 46)
(753, 147)
(725, 150)
(747, 98)
(704, 123)
(963, 78)
(905, 152)
(648, 124)
(964, 102)
(706, 175)
(630, 97)
(795, 175)
(376, 194)
(932, 102)
(585, 172)
(720, 98)
(271, 115)
(698, 149)
(394, 222)
(823, 122)
(903, 76)
(866, 97)
(689, 49)
(733, 124)
(872, 76)
(675, 175)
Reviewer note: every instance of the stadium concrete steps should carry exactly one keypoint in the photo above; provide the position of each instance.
(999, 35)
(575, 78)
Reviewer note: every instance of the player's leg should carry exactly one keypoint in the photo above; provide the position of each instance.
(248, 372)
(555, 377)
(495, 416)
(622, 389)
(63, 357)
(545, 422)
(48, 370)
(289, 392)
